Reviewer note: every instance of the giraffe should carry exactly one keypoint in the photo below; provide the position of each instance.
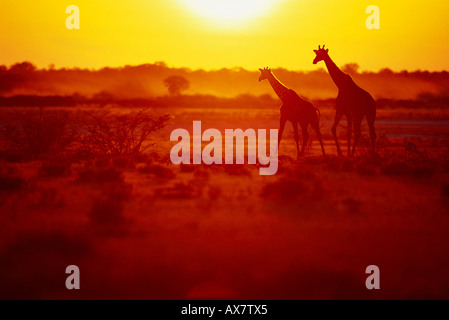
(294, 109)
(352, 102)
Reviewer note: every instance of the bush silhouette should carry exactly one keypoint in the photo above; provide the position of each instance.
(118, 134)
(31, 135)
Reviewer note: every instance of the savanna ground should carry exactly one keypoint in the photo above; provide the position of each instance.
(143, 228)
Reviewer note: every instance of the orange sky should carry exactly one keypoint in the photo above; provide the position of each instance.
(282, 34)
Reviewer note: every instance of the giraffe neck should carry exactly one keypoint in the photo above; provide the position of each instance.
(338, 76)
(280, 89)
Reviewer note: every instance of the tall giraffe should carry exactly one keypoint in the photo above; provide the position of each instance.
(352, 102)
(294, 109)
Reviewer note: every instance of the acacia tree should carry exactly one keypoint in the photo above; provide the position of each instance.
(176, 84)
(123, 134)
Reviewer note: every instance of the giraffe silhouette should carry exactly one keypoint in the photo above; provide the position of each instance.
(352, 102)
(294, 109)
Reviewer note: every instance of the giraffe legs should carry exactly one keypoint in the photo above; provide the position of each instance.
(357, 133)
(320, 138)
(295, 129)
(334, 131)
(370, 117)
(349, 133)
(281, 129)
(316, 128)
(305, 137)
(372, 133)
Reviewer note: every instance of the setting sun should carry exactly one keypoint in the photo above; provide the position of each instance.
(212, 34)
(226, 11)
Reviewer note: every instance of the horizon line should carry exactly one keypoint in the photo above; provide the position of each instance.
(165, 64)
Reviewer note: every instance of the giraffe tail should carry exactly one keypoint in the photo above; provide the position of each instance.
(319, 113)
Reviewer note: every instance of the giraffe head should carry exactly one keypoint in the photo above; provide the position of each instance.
(264, 73)
(321, 54)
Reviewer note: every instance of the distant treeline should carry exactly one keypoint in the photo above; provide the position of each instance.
(243, 101)
(150, 80)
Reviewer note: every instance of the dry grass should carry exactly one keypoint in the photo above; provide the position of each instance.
(153, 230)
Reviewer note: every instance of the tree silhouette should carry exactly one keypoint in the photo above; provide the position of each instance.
(351, 68)
(176, 84)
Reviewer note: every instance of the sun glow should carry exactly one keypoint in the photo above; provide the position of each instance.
(230, 11)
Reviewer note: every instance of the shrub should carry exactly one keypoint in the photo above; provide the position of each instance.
(11, 183)
(107, 211)
(284, 189)
(236, 170)
(201, 174)
(178, 191)
(187, 167)
(341, 164)
(395, 167)
(54, 169)
(119, 135)
(122, 162)
(100, 175)
(417, 169)
(368, 165)
(445, 190)
(214, 192)
(31, 135)
(158, 171)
